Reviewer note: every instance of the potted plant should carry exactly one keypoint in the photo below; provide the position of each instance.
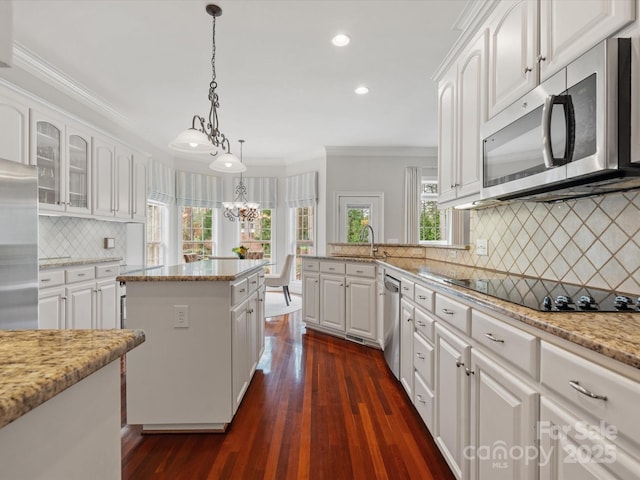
(241, 251)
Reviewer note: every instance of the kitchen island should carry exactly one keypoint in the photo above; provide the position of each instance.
(60, 403)
(204, 323)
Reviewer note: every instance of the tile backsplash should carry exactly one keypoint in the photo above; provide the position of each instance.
(590, 241)
(79, 238)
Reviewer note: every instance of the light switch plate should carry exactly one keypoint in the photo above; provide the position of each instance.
(482, 247)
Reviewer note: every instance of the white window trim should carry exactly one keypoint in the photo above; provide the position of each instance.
(447, 233)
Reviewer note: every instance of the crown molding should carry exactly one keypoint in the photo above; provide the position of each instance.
(32, 63)
(382, 151)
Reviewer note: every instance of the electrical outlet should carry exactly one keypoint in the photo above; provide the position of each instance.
(181, 316)
(482, 247)
(337, 248)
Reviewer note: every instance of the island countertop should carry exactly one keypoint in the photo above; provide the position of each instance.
(203, 270)
(36, 365)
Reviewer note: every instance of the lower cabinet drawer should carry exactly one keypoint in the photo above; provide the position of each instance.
(310, 265)
(515, 346)
(423, 359)
(424, 297)
(453, 313)
(423, 400)
(424, 324)
(361, 270)
(254, 281)
(80, 274)
(598, 391)
(239, 291)
(332, 267)
(50, 278)
(104, 271)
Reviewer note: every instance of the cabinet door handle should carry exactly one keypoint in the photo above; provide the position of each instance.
(420, 399)
(381, 293)
(446, 311)
(469, 372)
(63, 298)
(420, 356)
(459, 364)
(576, 386)
(540, 58)
(406, 289)
(242, 290)
(420, 323)
(409, 319)
(526, 70)
(492, 338)
(253, 282)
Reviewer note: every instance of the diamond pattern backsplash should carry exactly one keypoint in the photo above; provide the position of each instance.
(590, 241)
(79, 238)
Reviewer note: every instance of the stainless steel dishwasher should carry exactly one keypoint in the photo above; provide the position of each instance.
(392, 323)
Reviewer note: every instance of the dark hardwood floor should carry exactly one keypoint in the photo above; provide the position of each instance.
(318, 408)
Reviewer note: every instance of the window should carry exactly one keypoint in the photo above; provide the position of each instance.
(156, 244)
(256, 235)
(197, 231)
(433, 222)
(304, 237)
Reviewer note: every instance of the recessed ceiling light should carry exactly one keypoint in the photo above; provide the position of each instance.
(362, 90)
(341, 40)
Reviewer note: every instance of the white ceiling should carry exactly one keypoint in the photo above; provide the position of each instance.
(283, 86)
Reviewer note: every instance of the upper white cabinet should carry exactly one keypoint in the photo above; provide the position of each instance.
(461, 112)
(524, 51)
(62, 153)
(122, 187)
(139, 189)
(104, 177)
(14, 129)
(513, 45)
(568, 27)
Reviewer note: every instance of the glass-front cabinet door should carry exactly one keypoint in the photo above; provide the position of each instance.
(78, 164)
(48, 151)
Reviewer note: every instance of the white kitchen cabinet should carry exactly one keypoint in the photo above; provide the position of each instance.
(81, 303)
(122, 187)
(14, 129)
(139, 189)
(52, 308)
(406, 346)
(380, 307)
(451, 422)
(104, 178)
(504, 413)
(572, 449)
(523, 51)
(513, 42)
(462, 110)
(333, 295)
(311, 297)
(361, 307)
(241, 351)
(77, 171)
(570, 27)
(107, 304)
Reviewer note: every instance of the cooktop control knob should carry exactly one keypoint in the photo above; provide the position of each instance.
(563, 302)
(546, 303)
(587, 302)
(622, 302)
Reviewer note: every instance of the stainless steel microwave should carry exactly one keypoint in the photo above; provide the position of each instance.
(569, 137)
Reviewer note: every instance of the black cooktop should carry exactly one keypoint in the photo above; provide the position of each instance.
(551, 296)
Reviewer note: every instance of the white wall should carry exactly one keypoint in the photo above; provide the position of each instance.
(358, 169)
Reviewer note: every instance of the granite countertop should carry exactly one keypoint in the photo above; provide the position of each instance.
(344, 258)
(129, 269)
(615, 335)
(71, 262)
(203, 270)
(36, 365)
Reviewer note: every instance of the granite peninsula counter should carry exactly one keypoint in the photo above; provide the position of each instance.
(60, 402)
(204, 323)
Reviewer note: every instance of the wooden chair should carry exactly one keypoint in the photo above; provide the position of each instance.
(281, 279)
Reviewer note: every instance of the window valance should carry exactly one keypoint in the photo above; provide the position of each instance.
(260, 189)
(302, 190)
(198, 190)
(161, 183)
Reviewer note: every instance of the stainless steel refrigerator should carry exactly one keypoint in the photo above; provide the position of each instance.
(18, 246)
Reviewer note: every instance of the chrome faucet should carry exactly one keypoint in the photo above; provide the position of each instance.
(373, 248)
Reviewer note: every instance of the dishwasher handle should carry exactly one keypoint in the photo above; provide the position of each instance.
(391, 285)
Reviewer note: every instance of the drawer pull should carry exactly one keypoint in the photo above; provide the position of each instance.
(420, 323)
(576, 386)
(420, 399)
(331, 268)
(81, 274)
(253, 282)
(242, 290)
(359, 271)
(422, 297)
(492, 338)
(108, 270)
(406, 289)
(446, 311)
(420, 356)
(45, 280)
